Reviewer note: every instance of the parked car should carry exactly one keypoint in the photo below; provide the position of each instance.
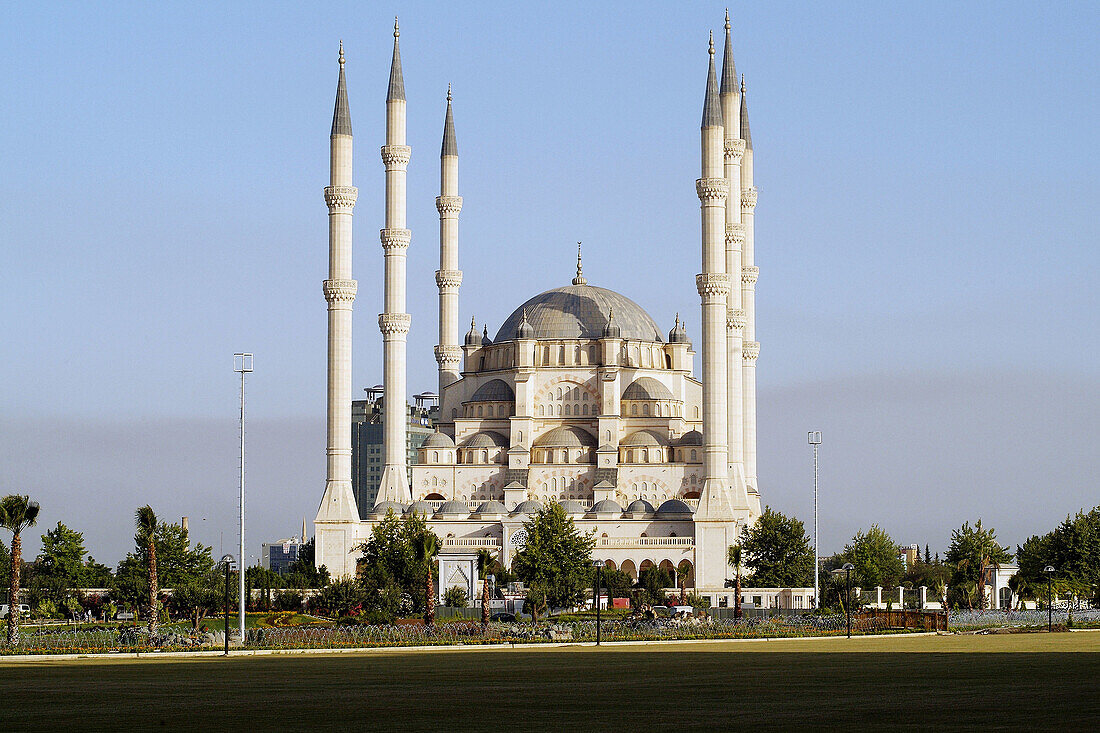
(689, 610)
(124, 616)
(24, 610)
(503, 617)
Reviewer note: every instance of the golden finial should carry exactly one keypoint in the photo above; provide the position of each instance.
(341, 52)
(396, 28)
(448, 91)
(610, 314)
(742, 83)
(579, 279)
(678, 315)
(712, 43)
(727, 19)
(473, 323)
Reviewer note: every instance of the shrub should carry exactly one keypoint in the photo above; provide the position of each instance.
(456, 597)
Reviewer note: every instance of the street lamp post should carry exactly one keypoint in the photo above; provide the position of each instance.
(242, 363)
(814, 437)
(848, 568)
(1049, 570)
(227, 561)
(598, 565)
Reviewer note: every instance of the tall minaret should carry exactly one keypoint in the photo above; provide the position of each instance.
(749, 272)
(713, 285)
(735, 237)
(448, 277)
(394, 321)
(338, 507)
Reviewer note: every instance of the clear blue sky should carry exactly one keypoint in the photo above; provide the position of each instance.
(927, 235)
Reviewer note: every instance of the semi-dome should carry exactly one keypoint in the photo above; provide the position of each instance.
(692, 437)
(607, 506)
(486, 439)
(674, 506)
(453, 508)
(491, 507)
(386, 507)
(438, 440)
(495, 390)
(646, 388)
(640, 506)
(567, 436)
(528, 507)
(643, 439)
(421, 507)
(580, 312)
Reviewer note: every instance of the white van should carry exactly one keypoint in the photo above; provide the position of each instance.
(24, 610)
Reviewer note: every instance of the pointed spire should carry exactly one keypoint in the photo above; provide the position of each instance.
(579, 279)
(341, 114)
(729, 71)
(450, 145)
(397, 81)
(611, 330)
(745, 134)
(485, 340)
(712, 109)
(525, 330)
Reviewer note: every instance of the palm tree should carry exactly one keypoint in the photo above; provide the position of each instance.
(735, 561)
(16, 514)
(484, 562)
(425, 547)
(146, 521)
(1021, 588)
(682, 573)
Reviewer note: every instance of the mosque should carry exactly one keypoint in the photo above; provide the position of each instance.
(580, 398)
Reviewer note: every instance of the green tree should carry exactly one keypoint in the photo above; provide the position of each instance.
(176, 562)
(875, 557)
(616, 583)
(390, 557)
(778, 550)
(303, 572)
(1072, 548)
(734, 559)
(556, 557)
(16, 514)
(59, 567)
(456, 597)
(425, 547)
(199, 597)
(654, 580)
(5, 565)
(146, 521)
(683, 572)
(972, 551)
(484, 562)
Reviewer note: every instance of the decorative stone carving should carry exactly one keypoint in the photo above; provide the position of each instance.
(748, 199)
(448, 279)
(340, 290)
(749, 273)
(712, 189)
(341, 199)
(735, 236)
(713, 284)
(448, 204)
(391, 323)
(395, 238)
(396, 155)
(750, 350)
(448, 354)
(734, 149)
(735, 319)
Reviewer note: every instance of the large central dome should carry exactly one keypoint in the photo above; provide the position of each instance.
(580, 312)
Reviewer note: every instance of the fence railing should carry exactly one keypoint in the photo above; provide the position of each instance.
(971, 619)
(905, 619)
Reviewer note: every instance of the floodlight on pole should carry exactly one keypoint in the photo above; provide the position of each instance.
(598, 565)
(1049, 571)
(242, 364)
(227, 561)
(814, 438)
(848, 568)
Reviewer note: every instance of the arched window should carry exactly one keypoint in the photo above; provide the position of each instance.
(559, 393)
(658, 410)
(634, 410)
(542, 411)
(694, 455)
(561, 354)
(645, 410)
(697, 412)
(607, 435)
(479, 410)
(435, 457)
(484, 456)
(559, 410)
(584, 410)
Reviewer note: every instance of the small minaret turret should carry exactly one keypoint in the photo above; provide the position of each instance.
(394, 321)
(735, 237)
(749, 272)
(448, 354)
(713, 285)
(580, 278)
(338, 512)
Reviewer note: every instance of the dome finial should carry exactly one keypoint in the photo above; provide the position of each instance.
(396, 28)
(341, 52)
(579, 279)
(448, 91)
(727, 19)
(712, 43)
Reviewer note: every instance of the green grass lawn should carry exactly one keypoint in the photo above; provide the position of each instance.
(1023, 682)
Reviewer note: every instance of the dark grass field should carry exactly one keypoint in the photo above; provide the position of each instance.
(1017, 682)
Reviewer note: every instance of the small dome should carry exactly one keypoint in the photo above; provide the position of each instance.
(573, 507)
(678, 335)
(485, 340)
(438, 440)
(643, 438)
(612, 330)
(607, 506)
(491, 507)
(386, 507)
(473, 338)
(566, 437)
(528, 507)
(495, 390)
(646, 388)
(640, 506)
(453, 507)
(692, 437)
(421, 507)
(674, 506)
(525, 330)
(486, 439)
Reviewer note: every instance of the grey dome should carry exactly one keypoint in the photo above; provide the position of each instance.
(607, 506)
(486, 439)
(491, 507)
(646, 388)
(573, 507)
(692, 437)
(566, 437)
(678, 335)
(643, 438)
(674, 506)
(473, 338)
(495, 390)
(580, 312)
(385, 507)
(524, 330)
(640, 506)
(438, 440)
(421, 507)
(528, 507)
(454, 507)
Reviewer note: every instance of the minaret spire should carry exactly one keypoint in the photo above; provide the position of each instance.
(729, 71)
(338, 513)
(394, 321)
(448, 353)
(749, 273)
(579, 279)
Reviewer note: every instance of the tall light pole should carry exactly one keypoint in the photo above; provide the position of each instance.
(598, 565)
(1049, 571)
(814, 437)
(242, 363)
